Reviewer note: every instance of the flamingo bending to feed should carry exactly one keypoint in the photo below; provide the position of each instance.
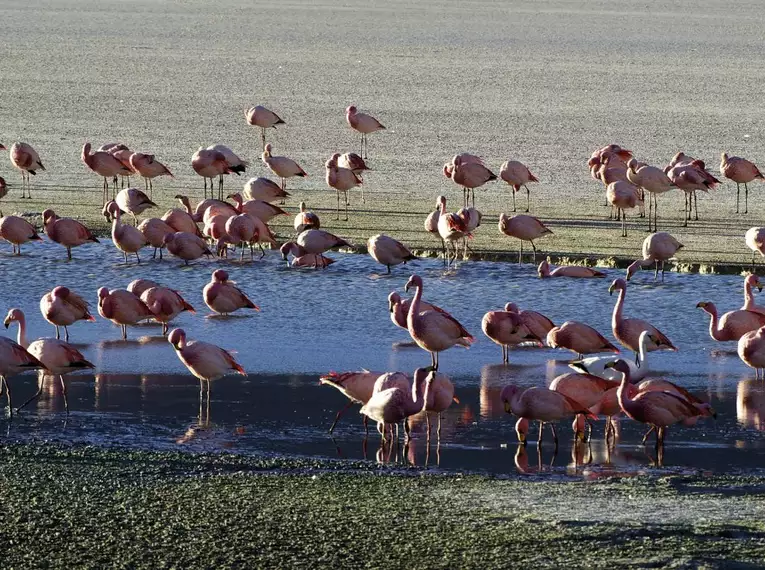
(658, 247)
(306, 220)
(105, 165)
(66, 231)
(507, 329)
(223, 296)
(154, 231)
(741, 171)
(358, 387)
(540, 404)
(364, 124)
(525, 228)
(627, 331)
(341, 179)
(264, 211)
(517, 174)
(17, 231)
(389, 406)
(596, 365)
(282, 166)
(186, 246)
(259, 116)
(165, 304)
(653, 180)
(755, 240)
(399, 309)
(657, 409)
(316, 242)
(58, 357)
(579, 338)
(62, 307)
(577, 271)
(14, 359)
(134, 202)
(301, 258)
(451, 228)
(125, 238)
(751, 281)
(26, 159)
(263, 189)
(751, 350)
(433, 331)
(431, 222)
(387, 251)
(732, 325)
(470, 175)
(537, 323)
(149, 168)
(122, 307)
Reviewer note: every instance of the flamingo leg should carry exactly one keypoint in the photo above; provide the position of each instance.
(528, 198)
(645, 437)
(124, 332)
(514, 199)
(534, 248)
(407, 430)
(63, 391)
(738, 194)
(655, 213)
(58, 333)
(68, 252)
(40, 383)
(746, 198)
(520, 254)
(8, 395)
(541, 434)
(66, 331)
(504, 354)
(555, 435)
(340, 413)
(696, 205)
(263, 136)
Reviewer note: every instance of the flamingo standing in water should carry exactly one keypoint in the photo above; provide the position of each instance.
(259, 116)
(399, 309)
(507, 328)
(66, 231)
(576, 271)
(388, 251)
(125, 238)
(751, 281)
(223, 296)
(537, 323)
(316, 242)
(105, 165)
(122, 307)
(451, 228)
(596, 365)
(134, 202)
(627, 331)
(301, 258)
(751, 350)
(186, 246)
(14, 359)
(62, 307)
(579, 338)
(440, 395)
(741, 171)
(165, 304)
(154, 231)
(364, 124)
(58, 357)
(755, 240)
(433, 331)
(149, 168)
(17, 231)
(516, 174)
(586, 389)
(525, 228)
(26, 159)
(658, 247)
(732, 325)
(431, 222)
(358, 387)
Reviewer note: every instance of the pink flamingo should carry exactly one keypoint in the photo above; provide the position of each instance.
(470, 175)
(122, 153)
(57, 357)
(733, 325)
(206, 209)
(282, 166)
(399, 309)
(472, 218)
(139, 286)
(14, 359)
(180, 219)
(125, 238)
(354, 162)
(301, 258)
(215, 229)
(341, 179)
(387, 251)
(657, 409)
(751, 350)
(66, 231)
(209, 164)
(364, 124)
(516, 174)
(507, 329)
(263, 189)
(165, 304)
(587, 389)
(149, 168)
(755, 240)
(613, 151)
(186, 246)
(134, 202)
(306, 220)
(540, 404)
(661, 385)
(654, 181)
(17, 231)
(440, 395)
(579, 338)
(537, 323)
(576, 271)
(26, 159)
(690, 177)
(433, 331)
(658, 247)
(358, 387)
(259, 116)
(741, 171)
(242, 231)
(451, 228)
(260, 209)
(627, 331)
(622, 195)
(525, 228)
(223, 296)
(122, 307)
(62, 307)
(431, 222)
(105, 165)
(316, 242)
(154, 231)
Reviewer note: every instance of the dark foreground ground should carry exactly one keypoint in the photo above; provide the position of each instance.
(97, 508)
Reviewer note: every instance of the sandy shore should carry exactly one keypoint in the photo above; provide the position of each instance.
(544, 84)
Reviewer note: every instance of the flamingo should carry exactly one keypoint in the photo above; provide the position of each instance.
(354, 162)
(358, 387)
(105, 165)
(206, 209)
(579, 338)
(587, 389)
(165, 304)
(282, 166)
(657, 247)
(17, 231)
(537, 323)
(122, 153)
(654, 181)
(732, 325)
(125, 238)
(755, 240)
(542, 405)
(399, 309)
(14, 359)
(259, 116)
(690, 178)
(260, 209)
(209, 164)
(341, 179)
(433, 331)
(440, 395)
(472, 218)
(181, 220)
(139, 286)
(525, 228)
(661, 385)
(751, 350)
(149, 168)
(611, 151)
(431, 222)
(316, 242)
(134, 202)
(26, 159)
(622, 195)
(507, 329)
(387, 251)
(57, 357)
(750, 304)
(66, 231)
(186, 246)
(470, 175)
(242, 231)
(364, 124)
(154, 231)
(301, 258)
(263, 189)
(122, 307)
(657, 409)
(223, 296)
(741, 171)
(516, 174)
(577, 271)
(62, 307)
(306, 220)
(596, 365)
(451, 228)
(627, 331)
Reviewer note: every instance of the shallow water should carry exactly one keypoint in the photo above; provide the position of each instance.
(315, 321)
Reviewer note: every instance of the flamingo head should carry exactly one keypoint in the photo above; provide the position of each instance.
(441, 202)
(522, 430)
(350, 110)
(544, 269)
(13, 315)
(511, 308)
(236, 197)
(414, 281)
(177, 338)
(632, 269)
(617, 285)
(448, 167)
(169, 238)
(48, 215)
(393, 299)
(85, 150)
(707, 307)
(219, 276)
(60, 292)
(267, 148)
(287, 249)
(620, 366)
(507, 395)
(753, 281)
(2, 146)
(724, 157)
(623, 153)
(111, 210)
(302, 207)
(103, 293)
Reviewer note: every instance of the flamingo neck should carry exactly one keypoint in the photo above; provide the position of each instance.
(414, 308)
(623, 394)
(21, 337)
(713, 330)
(186, 204)
(618, 309)
(643, 354)
(419, 401)
(748, 297)
(443, 208)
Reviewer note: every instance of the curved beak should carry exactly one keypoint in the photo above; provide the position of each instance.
(508, 409)
(522, 438)
(7, 323)
(700, 305)
(611, 290)
(406, 287)
(390, 306)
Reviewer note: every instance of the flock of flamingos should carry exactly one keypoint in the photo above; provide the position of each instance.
(598, 386)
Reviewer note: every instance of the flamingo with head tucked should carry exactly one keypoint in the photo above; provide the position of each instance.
(17, 231)
(741, 171)
(154, 231)
(507, 329)
(579, 338)
(388, 251)
(223, 296)
(125, 238)
(537, 323)
(122, 307)
(470, 175)
(66, 231)
(149, 168)
(62, 307)
(105, 165)
(210, 163)
(260, 116)
(263, 189)
(186, 246)
(341, 179)
(282, 166)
